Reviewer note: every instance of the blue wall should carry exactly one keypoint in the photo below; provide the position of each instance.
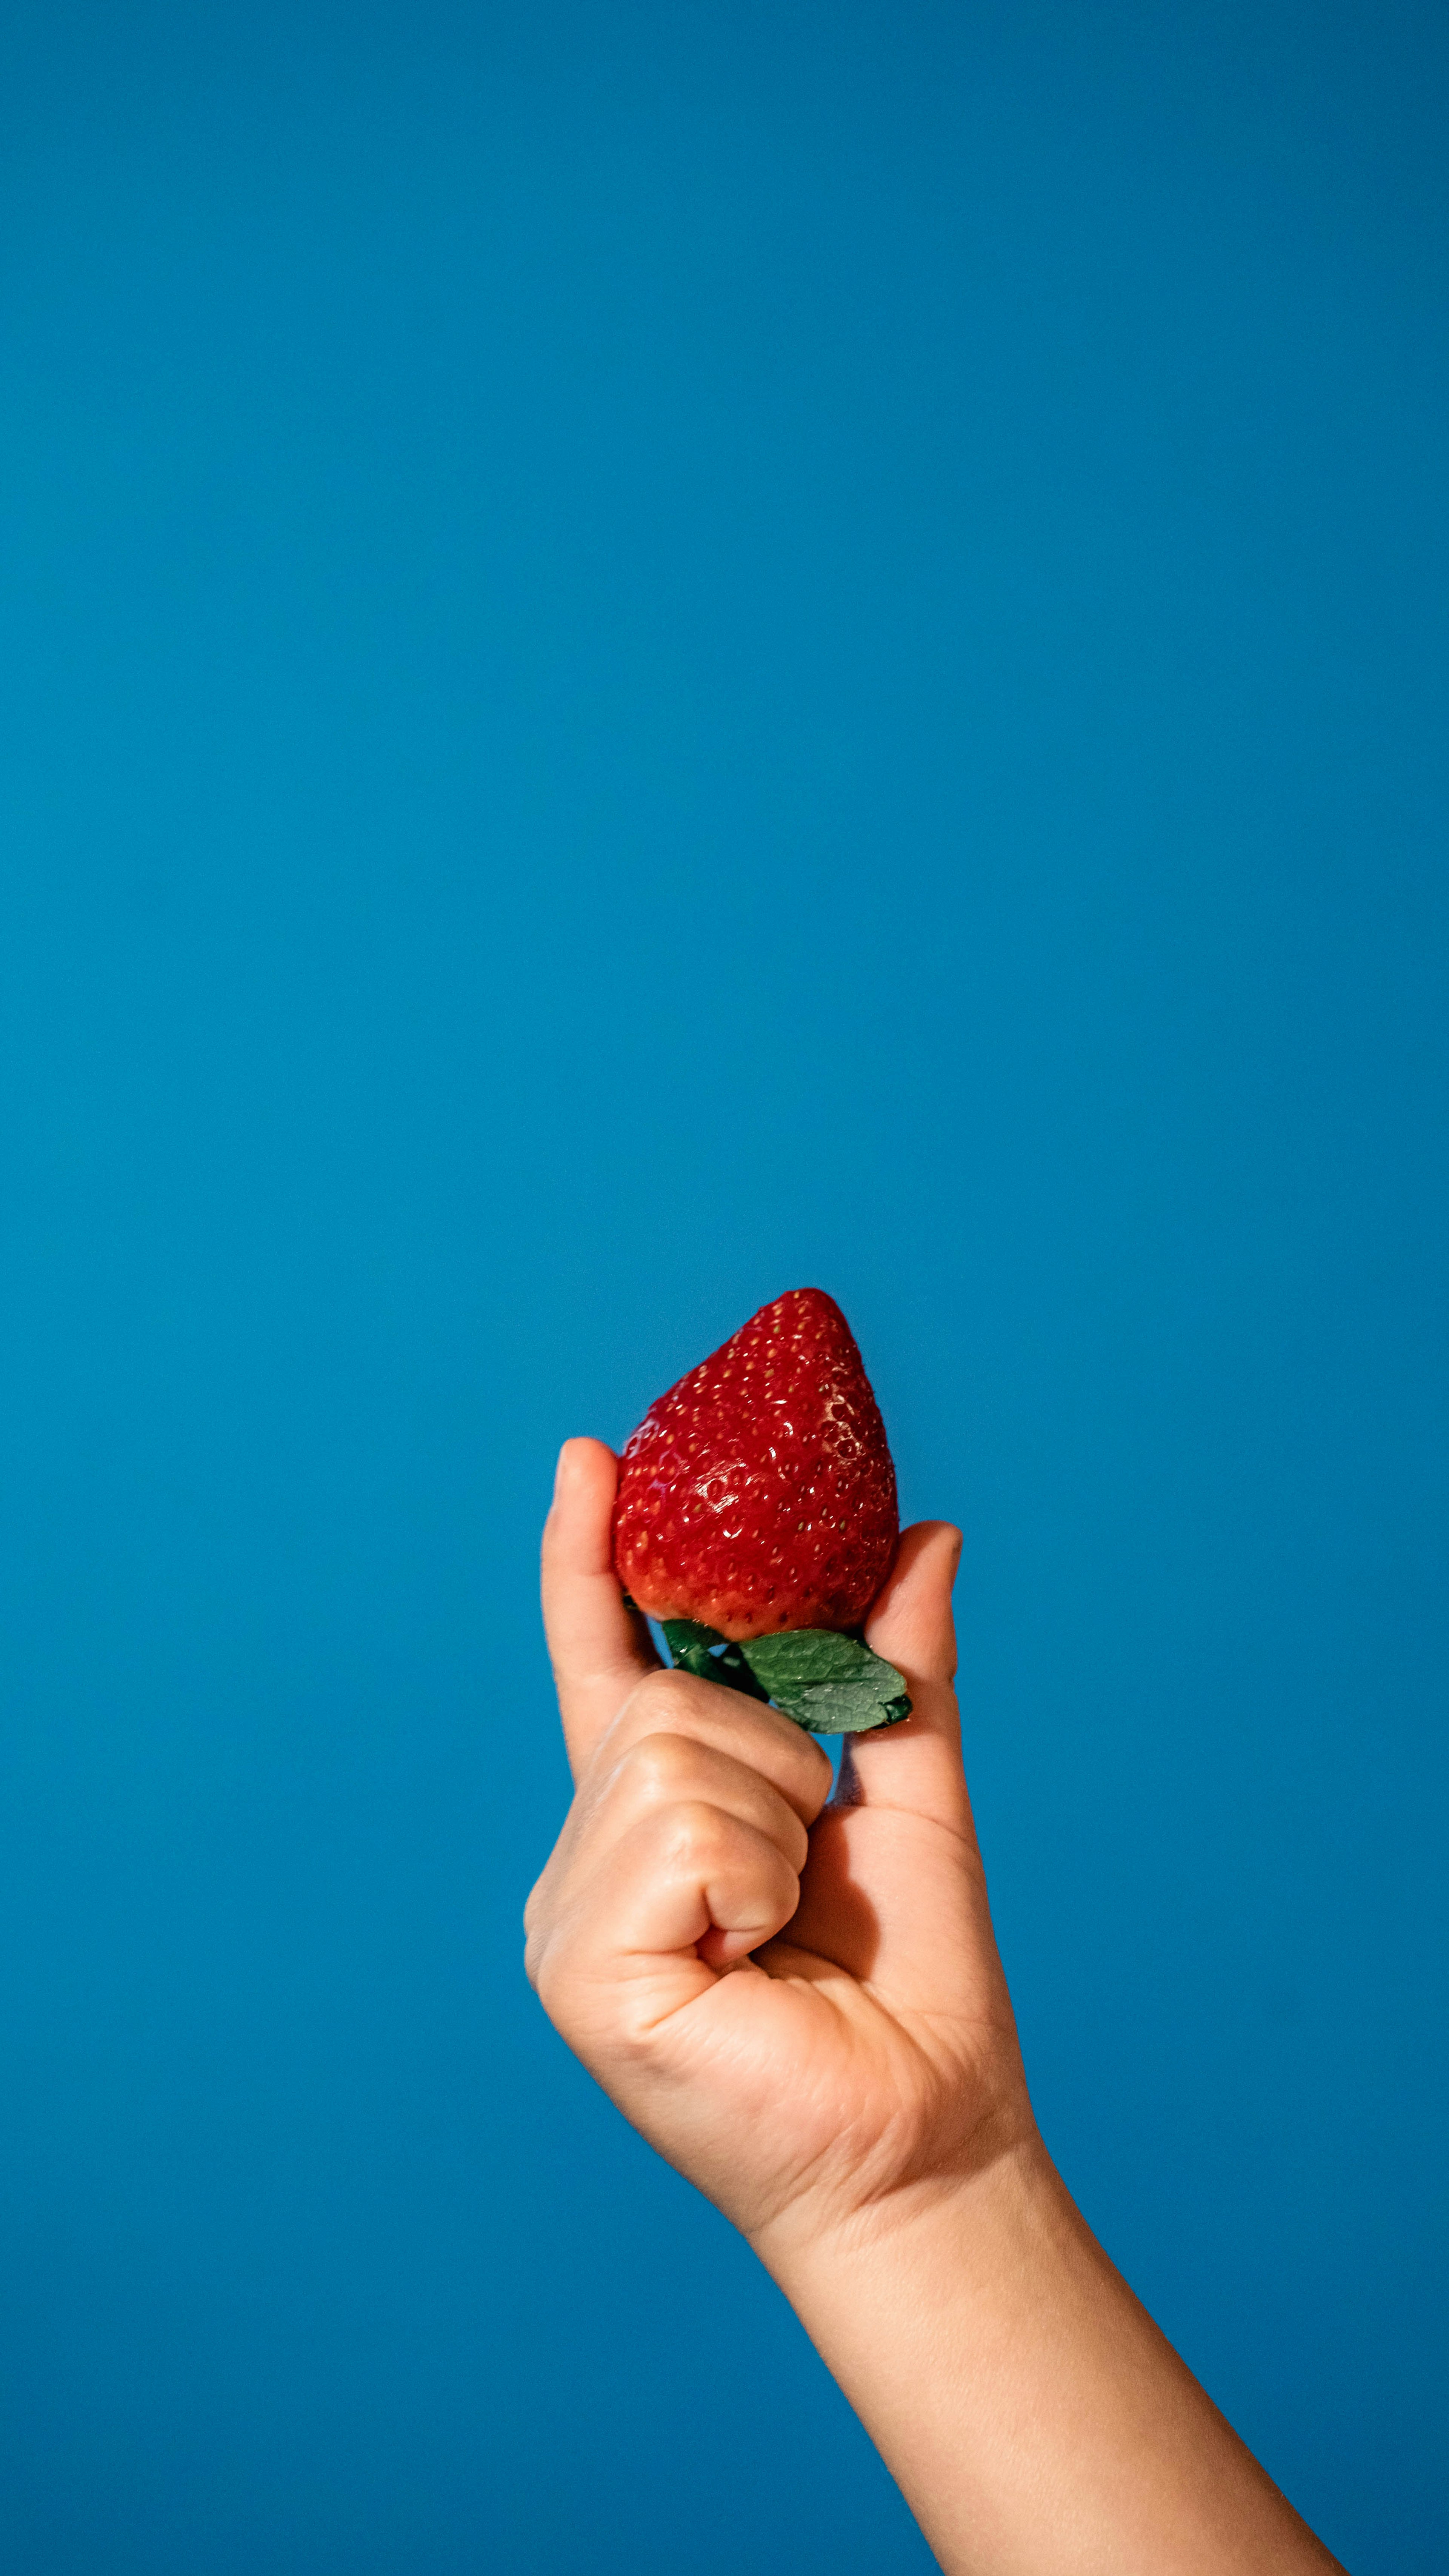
(652, 653)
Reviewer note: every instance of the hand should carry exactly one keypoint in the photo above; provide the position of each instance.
(796, 1997)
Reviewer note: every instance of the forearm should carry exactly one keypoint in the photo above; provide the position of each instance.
(1034, 2417)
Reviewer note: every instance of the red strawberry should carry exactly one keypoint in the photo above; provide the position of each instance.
(759, 1494)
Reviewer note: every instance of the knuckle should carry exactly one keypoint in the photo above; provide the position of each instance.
(658, 1766)
(698, 1834)
(681, 1700)
(662, 1688)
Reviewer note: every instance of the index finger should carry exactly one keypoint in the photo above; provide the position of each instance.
(600, 1649)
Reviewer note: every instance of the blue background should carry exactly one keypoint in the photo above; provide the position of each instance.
(656, 652)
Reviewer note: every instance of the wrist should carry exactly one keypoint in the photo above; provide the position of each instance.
(1008, 2209)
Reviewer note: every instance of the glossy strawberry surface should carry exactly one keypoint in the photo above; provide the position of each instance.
(759, 1493)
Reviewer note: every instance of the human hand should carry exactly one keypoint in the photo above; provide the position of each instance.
(795, 1996)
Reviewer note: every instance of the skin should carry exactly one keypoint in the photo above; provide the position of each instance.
(797, 1998)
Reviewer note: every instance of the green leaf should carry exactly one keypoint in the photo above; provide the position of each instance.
(689, 1632)
(826, 1681)
(799, 1656)
(829, 1682)
(703, 1651)
(846, 1708)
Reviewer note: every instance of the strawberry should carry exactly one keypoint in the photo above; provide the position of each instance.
(758, 1495)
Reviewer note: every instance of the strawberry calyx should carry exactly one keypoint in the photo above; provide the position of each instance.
(826, 1679)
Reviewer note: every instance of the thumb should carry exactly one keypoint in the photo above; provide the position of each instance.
(916, 1766)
